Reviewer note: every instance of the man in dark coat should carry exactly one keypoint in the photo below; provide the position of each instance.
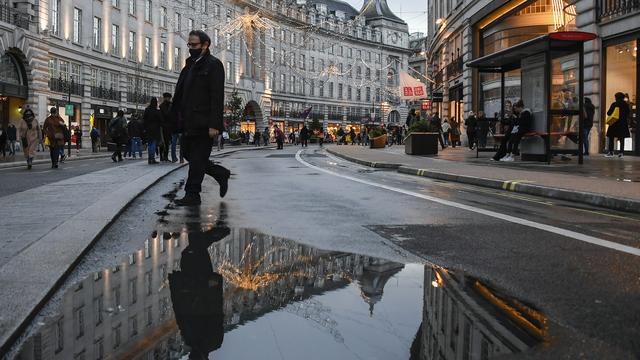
(199, 103)
(152, 120)
(166, 127)
(589, 113)
(118, 133)
(134, 128)
(304, 136)
(12, 137)
(472, 129)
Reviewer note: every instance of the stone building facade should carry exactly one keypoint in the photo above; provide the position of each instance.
(282, 57)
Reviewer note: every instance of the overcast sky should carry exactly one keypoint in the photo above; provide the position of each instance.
(413, 12)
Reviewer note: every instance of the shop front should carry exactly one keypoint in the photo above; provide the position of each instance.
(101, 117)
(13, 90)
(621, 74)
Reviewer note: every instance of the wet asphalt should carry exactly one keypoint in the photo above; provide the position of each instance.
(588, 294)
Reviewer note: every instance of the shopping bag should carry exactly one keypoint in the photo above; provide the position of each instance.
(614, 117)
(46, 141)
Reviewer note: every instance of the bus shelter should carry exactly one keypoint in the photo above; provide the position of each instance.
(548, 75)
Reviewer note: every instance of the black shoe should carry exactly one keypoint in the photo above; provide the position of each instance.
(152, 161)
(223, 181)
(189, 200)
(113, 157)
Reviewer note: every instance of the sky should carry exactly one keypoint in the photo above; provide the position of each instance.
(413, 12)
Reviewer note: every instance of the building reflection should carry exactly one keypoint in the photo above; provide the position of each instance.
(463, 318)
(126, 311)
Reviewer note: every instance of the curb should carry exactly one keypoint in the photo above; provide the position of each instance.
(588, 198)
(94, 212)
(15, 164)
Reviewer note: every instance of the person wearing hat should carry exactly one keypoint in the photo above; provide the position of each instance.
(54, 131)
(30, 134)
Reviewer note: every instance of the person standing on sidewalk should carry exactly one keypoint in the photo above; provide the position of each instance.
(445, 132)
(304, 136)
(54, 131)
(134, 129)
(279, 135)
(30, 133)
(199, 102)
(265, 136)
(118, 133)
(12, 137)
(152, 120)
(167, 128)
(620, 128)
(3, 142)
(95, 139)
(482, 130)
(78, 134)
(471, 125)
(589, 113)
(521, 125)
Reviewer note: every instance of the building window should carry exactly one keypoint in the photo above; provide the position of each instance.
(163, 16)
(303, 60)
(132, 46)
(358, 94)
(55, 16)
(189, 24)
(132, 7)
(349, 92)
(216, 38)
(115, 336)
(78, 321)
(321, 85)
(216, 10)
(283, 82)
(339, 91)
(97, 33)
(147, 50)
(229, 71)
(59, 334)
(177, 59)
(228, 41)
(177, 22)
(98, 348)
(115, 3)
(133, 325)
(147, 10)
(273, 54)
(77, 25)
(368, 94)
(98, 308)
(163, 55)
(115, 39)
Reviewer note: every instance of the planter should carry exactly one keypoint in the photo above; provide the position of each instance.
(421, 143)
(378, 142)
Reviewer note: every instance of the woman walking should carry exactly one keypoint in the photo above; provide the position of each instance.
(152, 120)
(618, 128)
(29, 132)
(54, 131)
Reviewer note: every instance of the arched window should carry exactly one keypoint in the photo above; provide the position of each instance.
(10, 70)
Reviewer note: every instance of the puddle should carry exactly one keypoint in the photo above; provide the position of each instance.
(209, 291)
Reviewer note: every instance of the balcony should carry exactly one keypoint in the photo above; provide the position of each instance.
(611, 9)
(14, 17)
(135, 97)
(107, 94)
(454, 69)
(66, 86)
(277, 113)
(438, 78)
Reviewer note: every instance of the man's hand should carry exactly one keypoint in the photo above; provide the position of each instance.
(213, 133)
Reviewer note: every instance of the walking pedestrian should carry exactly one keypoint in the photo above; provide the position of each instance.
(54, 131)
(454, 133)
(30, 132)
(152, 120)
(134, 130)
(78, 133)
(199, 103)
(12, 137)
(279, 135)
(436, 126)
(445, 132)
(411, 118)
(617, 119)
(352, 135)
(471, 125)
(95, 139)
(265, 136)
(304, 136)
(67, 141)
(118, 133)
(589, 112)
(167, 129)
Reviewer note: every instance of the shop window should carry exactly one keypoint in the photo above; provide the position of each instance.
(621, 76)
(9, 70)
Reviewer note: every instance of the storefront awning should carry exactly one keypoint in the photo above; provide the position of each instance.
(510, 58)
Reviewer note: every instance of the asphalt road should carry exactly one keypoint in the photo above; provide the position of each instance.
(575, 264)
(18, 179)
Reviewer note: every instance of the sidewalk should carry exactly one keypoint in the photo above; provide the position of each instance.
(43, 157)
(41, 245)
(610, 183)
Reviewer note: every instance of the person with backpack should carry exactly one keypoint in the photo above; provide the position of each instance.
(118, 133)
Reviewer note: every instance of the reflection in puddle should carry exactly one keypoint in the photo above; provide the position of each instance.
(210, 291)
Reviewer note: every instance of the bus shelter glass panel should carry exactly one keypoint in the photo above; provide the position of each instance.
(565, 90)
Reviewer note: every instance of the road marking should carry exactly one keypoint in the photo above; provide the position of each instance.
(552, 229)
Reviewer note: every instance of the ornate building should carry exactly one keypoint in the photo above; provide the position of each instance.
(281, 56)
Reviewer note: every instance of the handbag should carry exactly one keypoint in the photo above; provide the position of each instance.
(614, 117)
(46, 141)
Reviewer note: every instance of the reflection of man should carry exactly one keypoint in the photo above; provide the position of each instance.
(196, 293)
(199, 103)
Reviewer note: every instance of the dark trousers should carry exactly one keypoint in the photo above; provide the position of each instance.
(304, 142)
(54, 152)
(280, 144)
(471, 136)
(502, 150)
(197, 149)
(166, 143)
(514, 144)
(612, 144)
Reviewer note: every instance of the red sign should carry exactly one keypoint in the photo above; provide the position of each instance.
(572, 36)
(418, 91)
(426, 105)
(408, 91)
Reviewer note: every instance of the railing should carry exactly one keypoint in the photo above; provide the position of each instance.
(135, 97)
(454, 68)
(13, 16)
(278, 113)
(107, 94)
(609, 9)
(66, 86)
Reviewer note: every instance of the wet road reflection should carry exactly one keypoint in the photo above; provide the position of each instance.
(210, 291)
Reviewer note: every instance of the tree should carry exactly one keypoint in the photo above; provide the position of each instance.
(235, 109)
(316, 125)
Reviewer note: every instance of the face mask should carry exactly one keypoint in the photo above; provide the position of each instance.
(195, 52)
